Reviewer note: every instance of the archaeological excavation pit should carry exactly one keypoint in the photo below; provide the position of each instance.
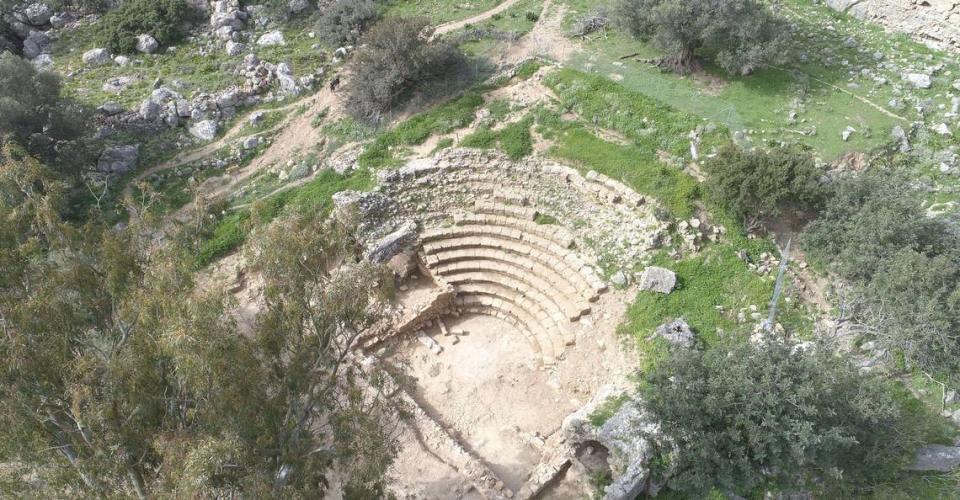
(503, 324)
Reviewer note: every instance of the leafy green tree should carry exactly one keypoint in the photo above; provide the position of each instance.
(32, 110)
(868, 219)
(757, 184)
(109, 357)
(740, 414)
(740, 35)
(396, 57)
(914, 305)
(343, 22)
(328, 409)
(121, 379)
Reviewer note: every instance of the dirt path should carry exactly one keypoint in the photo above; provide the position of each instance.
(483, 16)
(207, 150)
(546, 39)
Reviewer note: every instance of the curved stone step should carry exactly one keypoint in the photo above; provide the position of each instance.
(466, 237)
(542, 279)
(530, 325)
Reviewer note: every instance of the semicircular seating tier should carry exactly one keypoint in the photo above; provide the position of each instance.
(503, 264)
(482, 236)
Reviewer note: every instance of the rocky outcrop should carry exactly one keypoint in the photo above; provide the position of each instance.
(677, 332)
(382, 233)
(624, 435)
(271, 38)
(119, 159)
(96, 57)
(205, 130)
(37, 44)
(658, 279)
(935, 22)
(147, 44)
(227, 19)
(937, 457)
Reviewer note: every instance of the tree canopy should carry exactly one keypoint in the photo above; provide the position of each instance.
(875, 232)
(32, 110)
(739, 35)
(120, 378)
(740, 414)
(755, 184)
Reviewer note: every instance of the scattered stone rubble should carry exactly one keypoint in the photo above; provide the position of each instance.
(936, 22)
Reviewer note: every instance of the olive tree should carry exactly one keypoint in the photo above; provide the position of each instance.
(755, 184)
(740, 414)
(740, 35)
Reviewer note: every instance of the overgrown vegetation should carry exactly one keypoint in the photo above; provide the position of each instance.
(742, 414)
(875, 232)
(161, 19)
(757, 184)
(344, 21)
(741, 35)
(457, 113)
(396, 57)
(33, 113)
(106, 339)
(230, 232)
(514, 139)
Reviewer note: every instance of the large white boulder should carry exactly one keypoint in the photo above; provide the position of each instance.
(658, 279)
(918, 80)
(96, 57)
(271, 38)
(38, 14)
(147, 44)
(205, 130)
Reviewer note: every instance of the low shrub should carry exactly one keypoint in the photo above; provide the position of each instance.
(162, 19)
(345, 21)
(396, 57)
(756, 184)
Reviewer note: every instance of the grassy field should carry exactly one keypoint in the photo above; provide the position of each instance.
(825, 97)
(438, 11)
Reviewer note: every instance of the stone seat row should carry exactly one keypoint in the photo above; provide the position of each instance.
(534, 275)
(539, 339)
(515, 242)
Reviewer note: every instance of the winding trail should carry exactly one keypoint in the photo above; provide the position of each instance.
(208, 149)
(296, 132)
(483, 16)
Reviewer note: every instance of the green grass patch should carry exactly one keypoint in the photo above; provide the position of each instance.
(715, 277)
(677, 191)
(313, 197)
(546, 219)
(454, 114)
(651, 125)
(606, 410)
(438, 11)
(514, 139)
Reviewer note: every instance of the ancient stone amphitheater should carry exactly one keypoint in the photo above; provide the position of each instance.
(501, 304)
